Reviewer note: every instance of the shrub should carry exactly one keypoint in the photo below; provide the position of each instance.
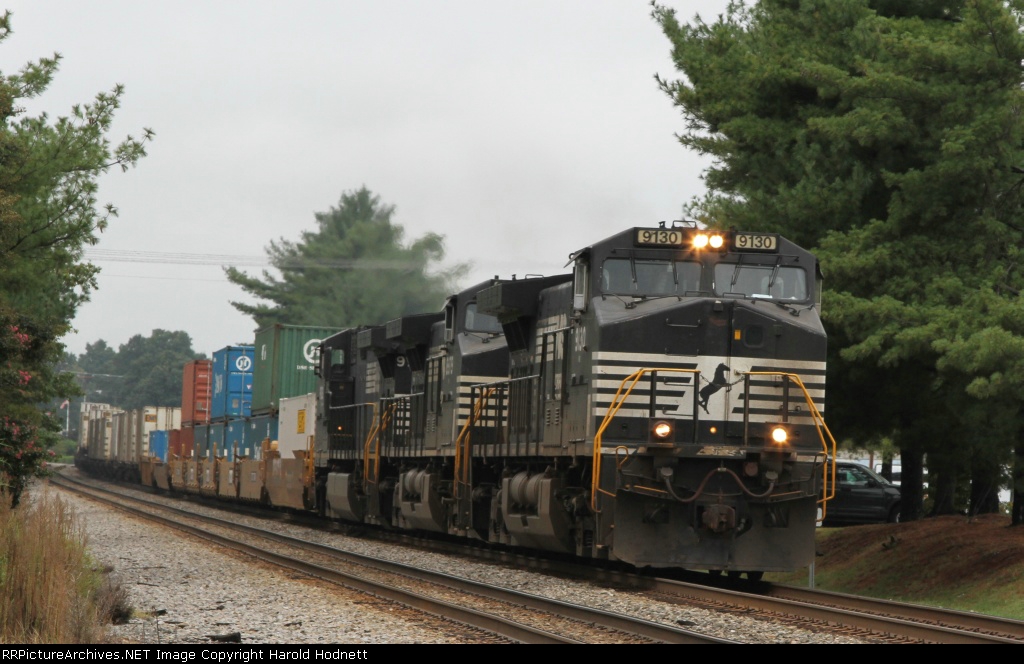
(52, 590)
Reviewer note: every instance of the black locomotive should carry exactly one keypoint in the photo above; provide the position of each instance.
(659, 406)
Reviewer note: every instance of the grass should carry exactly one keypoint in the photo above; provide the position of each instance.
(52, 591)
(956, 562)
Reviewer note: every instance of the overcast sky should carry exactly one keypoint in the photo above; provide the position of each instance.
(521, 131)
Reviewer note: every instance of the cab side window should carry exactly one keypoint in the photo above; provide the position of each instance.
(617, 276)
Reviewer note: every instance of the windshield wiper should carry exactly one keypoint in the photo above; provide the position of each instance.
(775, 273)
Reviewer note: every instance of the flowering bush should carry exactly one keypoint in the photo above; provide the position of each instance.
(26, 381)
(21, 456)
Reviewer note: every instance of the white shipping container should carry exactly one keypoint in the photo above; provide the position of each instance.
(87, 412)
(97, 446)
(119, 427)
(129, 431)
(101, 435)
(296, 421)
(146, 420)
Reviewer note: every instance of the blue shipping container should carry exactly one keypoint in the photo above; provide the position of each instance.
(231, 395)
(201, 441)
(217, 446)
(258, 428)
(158, 444)
(238, 438)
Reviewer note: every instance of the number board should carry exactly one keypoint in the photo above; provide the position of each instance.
(660, 237)
(755, 242)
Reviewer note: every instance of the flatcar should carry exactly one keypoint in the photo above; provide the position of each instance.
(659, 406)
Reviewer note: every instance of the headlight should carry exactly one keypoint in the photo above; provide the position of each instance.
(661, 432)
(779, 435)
(716, 241)
(700, 241)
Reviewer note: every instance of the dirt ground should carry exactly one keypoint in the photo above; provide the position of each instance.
(971, 562)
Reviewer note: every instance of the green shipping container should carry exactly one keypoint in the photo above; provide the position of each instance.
(285, 358)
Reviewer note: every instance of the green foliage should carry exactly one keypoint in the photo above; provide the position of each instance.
(888, 136)
(145, 371)
(48, 212)
(355, 269)
(98, 372)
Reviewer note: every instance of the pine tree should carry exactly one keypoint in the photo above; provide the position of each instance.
(354, 269)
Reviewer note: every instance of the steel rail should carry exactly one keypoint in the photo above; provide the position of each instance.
(602, 619)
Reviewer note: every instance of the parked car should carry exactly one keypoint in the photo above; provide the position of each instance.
(861, 496)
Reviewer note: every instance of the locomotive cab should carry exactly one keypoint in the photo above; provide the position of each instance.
(707, 438)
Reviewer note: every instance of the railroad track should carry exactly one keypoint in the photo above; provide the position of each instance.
(873, 620)
(876, 621)
(508, 614)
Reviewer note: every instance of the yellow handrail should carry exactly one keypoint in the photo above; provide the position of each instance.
(595, 480)
(634, 377)
(462, 443)
(828, 467)
(368, 458)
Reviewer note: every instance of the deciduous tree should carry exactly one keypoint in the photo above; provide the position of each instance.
(48, 212)
(150, 369)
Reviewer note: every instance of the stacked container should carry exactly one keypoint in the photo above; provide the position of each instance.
(295, 423)
(153, 465)
(150, 419)
(88, 412)
(232, 383)
(236, 438)
(196, 388)
(130, 431)
(196, 404)
(201, 440)
(159, 444)
(187, 442)
(100, 434)
(119, 426)
(173, 444)
(218, 447)
(257, 429)
(285, 358)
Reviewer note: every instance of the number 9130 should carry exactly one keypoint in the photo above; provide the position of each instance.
(755, 242)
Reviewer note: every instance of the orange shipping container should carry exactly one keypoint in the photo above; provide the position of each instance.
(187, 438)
(174, 444)
(196, 389)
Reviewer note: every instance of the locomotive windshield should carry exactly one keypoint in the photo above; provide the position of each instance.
(478, 322)
(622, 276)
(761, 281)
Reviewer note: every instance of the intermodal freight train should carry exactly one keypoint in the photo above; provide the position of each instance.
(661, 406)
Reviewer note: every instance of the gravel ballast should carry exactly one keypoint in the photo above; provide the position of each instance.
(187, 591)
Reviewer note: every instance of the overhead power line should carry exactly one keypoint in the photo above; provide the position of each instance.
(122, 256)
